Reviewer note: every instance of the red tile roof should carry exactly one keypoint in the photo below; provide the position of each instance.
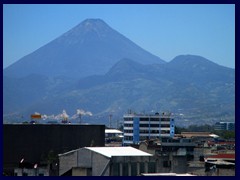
(223, 156)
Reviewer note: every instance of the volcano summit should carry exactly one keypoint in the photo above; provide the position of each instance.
(90, 48)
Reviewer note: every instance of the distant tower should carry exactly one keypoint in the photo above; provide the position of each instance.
(110, 120)
(80, 118)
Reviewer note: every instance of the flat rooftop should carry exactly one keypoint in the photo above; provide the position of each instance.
(118, 151)
(113, 131)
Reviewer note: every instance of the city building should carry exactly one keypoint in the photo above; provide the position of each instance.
(27, 144)
(200, 137)
(113, 137)
(139, 127)
(172, 154)
(35, 171)
(230, 126)
(106, 161)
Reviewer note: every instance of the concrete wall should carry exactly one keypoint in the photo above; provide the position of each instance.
(67, 161)
(78, 171)
(99, 162)
(133, 165)
(179, 164)
(160, 162)
(33, 142)
(84, 158)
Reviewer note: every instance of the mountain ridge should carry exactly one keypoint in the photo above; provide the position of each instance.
(143, 88)
(95, 68)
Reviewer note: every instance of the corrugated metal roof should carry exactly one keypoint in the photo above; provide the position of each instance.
(222, 156)
(196, 134)
(118, 151)
(220, 162)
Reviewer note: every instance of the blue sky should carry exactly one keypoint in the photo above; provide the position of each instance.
(162, 29)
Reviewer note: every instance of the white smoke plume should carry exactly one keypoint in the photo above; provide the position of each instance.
(81, 112)
(64, 115)
(61, 116)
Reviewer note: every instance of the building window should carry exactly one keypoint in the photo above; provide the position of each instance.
(134, 169)
(154, 125)
(125, 169)
(166, 163)
(115, 169)
(128, 125)
(155, 119)
(128, 119)
(128, 138)
(165, 125)
(151, 167)
(142, 168)
(128, 131)
(143, 131)
(144, 119)
(154, 132)
(143, 125)
(165, 131)
(165, 119)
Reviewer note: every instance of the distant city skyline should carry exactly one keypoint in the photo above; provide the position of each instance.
(164, 30)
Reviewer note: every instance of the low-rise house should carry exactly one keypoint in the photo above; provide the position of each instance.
(220, 165)
(113, 136)
(172, 154)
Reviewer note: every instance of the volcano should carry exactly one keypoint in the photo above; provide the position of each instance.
(90, 48)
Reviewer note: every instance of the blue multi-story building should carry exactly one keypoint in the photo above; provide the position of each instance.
(230, 126)
(139, 127)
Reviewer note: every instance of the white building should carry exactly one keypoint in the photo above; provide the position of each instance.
(106, 161)
(141, 127)
(113, 133)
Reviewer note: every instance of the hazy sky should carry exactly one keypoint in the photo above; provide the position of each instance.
(163, 30)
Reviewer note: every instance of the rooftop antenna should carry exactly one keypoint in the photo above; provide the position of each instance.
(110, 120)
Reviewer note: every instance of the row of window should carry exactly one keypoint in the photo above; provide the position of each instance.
(128, 138)
(147, 131)
(151, 125)
(115, 170)
(128, 125)
(165, 132)
(150, 119)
